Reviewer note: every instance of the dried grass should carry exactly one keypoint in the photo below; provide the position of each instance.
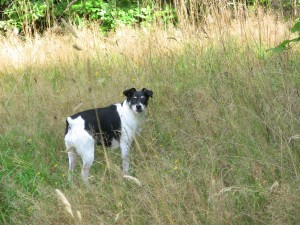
(221, 130)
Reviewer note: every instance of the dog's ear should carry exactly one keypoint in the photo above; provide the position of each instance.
(129, 92)
(148, 93)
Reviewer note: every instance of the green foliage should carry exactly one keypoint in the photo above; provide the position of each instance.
(111, 15)
(286, 43)
(258, 2)
(20, 13)
(26, 15)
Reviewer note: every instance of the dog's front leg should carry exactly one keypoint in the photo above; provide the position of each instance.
(125, 157)
(125, 144)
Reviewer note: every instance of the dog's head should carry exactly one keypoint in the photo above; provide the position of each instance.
(138, 100)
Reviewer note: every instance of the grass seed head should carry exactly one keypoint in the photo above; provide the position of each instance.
(65, 202)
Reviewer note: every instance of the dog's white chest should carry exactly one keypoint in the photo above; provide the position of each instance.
(131, 123)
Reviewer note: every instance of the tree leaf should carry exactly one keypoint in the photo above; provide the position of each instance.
(296, 28)
(283, 45)
(277, 49)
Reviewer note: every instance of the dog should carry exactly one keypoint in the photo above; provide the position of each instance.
(114, 126)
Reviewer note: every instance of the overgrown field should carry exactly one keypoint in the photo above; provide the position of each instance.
(220, 145)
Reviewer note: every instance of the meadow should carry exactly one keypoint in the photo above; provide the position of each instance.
(221, 143)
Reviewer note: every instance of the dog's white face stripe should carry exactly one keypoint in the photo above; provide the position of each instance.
(138, 101)
(135, 110)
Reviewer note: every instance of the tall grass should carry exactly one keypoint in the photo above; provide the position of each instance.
(219, 147)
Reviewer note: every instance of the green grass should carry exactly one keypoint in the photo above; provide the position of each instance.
(216, 142)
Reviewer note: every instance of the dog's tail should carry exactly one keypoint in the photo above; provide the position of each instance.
(68, 124)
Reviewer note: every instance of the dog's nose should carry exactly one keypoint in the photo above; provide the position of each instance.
(138, 107)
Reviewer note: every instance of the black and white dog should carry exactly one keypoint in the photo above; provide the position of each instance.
(113, 126)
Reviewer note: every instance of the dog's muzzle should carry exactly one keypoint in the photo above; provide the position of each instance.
(139, 108)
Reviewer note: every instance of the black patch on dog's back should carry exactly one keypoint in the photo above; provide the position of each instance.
(103, 123)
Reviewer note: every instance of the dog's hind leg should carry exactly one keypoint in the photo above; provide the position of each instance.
(72, 161)
(79, 142)
(71, 155)
(87, 162)
(85, 148)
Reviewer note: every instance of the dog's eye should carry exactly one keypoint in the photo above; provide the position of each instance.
(134, 99)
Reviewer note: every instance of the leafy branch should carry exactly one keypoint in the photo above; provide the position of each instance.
(285, 45)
